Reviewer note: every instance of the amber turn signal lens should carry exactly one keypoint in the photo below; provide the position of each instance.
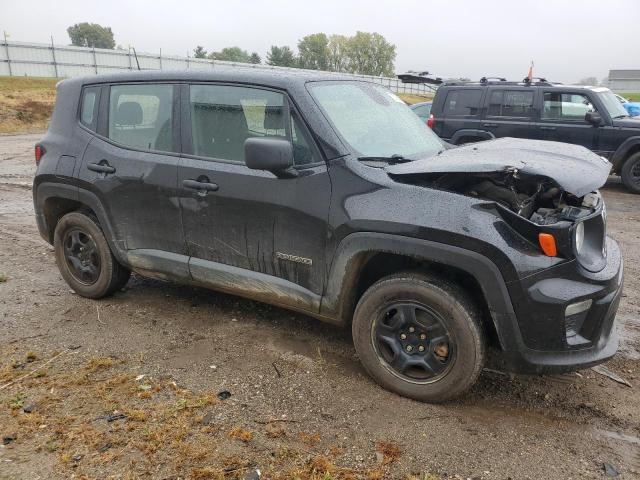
(548, 244)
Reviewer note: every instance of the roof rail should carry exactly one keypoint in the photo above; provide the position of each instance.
(486, 79)
(537, 81)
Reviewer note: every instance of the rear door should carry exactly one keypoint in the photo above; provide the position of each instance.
(562, 118)
(461, 110)
(132, 165)
(247, 219)
(509, 113)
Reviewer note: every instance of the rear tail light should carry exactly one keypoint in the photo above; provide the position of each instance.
(39, 152)
(430, 121)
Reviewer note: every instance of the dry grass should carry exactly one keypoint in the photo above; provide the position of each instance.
(97, 418)
(411, 98)
(3, 278)
(241, 434)
(26, 103)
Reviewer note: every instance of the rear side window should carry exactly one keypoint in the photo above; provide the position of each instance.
(224, 116)
(462, 103)
(141, 116)
(89, 107)
(510, 103)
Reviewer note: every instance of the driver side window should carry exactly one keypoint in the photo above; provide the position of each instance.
(566, 106)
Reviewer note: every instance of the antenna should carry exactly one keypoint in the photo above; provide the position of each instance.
(136, 55)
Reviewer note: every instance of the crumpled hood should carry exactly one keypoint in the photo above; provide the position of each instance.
(573, 168)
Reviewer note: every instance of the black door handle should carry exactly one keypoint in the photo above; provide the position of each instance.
(547, 128)
(489, 124)
(202, 186)
(101, 167)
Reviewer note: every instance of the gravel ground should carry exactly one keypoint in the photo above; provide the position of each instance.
(298, 394)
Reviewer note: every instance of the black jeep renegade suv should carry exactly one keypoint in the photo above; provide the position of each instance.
(328, 196)
(589, 116)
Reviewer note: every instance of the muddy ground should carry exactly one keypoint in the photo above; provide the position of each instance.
(300, 405)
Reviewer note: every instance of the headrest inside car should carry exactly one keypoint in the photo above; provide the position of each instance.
(129, 113)
(273, 118)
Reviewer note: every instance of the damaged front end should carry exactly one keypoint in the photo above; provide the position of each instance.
(546, 191)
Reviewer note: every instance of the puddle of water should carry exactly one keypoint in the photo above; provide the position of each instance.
(623, 437)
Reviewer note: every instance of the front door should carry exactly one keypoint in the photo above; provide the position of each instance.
(242, 224)
(562, 119)
(132, 166)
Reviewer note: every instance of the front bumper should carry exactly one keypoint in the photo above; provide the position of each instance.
(547, 340)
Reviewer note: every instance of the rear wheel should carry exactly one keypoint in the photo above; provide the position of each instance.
(630, 173)
(84, 258)
(419, 336)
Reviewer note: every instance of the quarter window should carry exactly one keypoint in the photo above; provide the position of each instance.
(566, 106)
(140, 116)
(511, 103)
(223, 117)
(462, 103)
(302, 151)
(89, 109)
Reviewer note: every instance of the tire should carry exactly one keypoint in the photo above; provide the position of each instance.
(433, 301)
(84, 258)
(630, 173)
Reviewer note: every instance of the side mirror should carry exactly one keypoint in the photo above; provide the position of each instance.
(272, 154)
(593, 118)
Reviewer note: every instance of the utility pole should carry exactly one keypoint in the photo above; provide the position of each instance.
(53, 56)
(6, 46)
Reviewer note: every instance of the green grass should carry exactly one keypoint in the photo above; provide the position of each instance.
(3, 278)
(631, 96)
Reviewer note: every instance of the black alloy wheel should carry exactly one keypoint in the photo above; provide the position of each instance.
(413, 342)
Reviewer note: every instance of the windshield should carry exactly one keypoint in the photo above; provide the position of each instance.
(612, 104)
(374, 121)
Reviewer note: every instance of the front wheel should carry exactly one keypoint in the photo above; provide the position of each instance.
(84, 258)
(419, 336)
(630, 173)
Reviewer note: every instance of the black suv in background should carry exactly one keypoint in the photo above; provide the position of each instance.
(589, 116)
(329, 196)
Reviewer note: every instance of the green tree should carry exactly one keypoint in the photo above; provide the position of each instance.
(199, 52)
(91, 35)
(255, 59)
(337, 60)
(281, 57)
(370, 54)
(231, 54)
(313, 52)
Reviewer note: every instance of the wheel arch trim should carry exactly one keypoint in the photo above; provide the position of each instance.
(621, 153)
(355, 249)
(469, 132)
(48, 190)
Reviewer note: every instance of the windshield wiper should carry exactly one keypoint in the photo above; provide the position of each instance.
(620, 116)
(391, 159)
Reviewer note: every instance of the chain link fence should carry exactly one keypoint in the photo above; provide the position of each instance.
(49, 60)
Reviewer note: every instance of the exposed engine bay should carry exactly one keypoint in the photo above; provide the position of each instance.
(544, 182)
(537, 199)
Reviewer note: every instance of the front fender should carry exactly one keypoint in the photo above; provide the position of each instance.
(620, 155)
(355, 248)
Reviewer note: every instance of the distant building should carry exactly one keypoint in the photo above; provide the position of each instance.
(624, 80)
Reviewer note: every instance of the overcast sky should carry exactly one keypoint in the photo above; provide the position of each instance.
(567, 39)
